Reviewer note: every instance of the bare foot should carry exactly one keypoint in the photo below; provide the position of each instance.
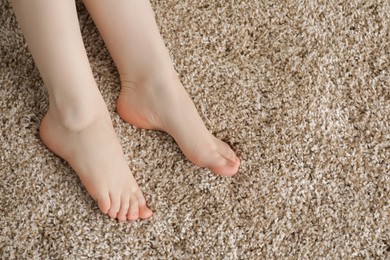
(86, 139)
(163, 104)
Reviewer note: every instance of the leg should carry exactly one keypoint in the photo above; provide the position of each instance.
(152, 96)
(77, 126)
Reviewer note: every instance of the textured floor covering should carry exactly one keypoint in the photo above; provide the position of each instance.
(300, 89)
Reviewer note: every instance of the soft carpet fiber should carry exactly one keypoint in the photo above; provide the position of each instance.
(300, 89)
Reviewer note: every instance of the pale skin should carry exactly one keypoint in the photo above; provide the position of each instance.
(77, 125)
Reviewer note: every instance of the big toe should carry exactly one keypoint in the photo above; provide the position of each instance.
(225, 151)
(143, 211)
(225, 161)
(225, 167)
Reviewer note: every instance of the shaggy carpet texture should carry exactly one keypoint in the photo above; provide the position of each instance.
(301, 91)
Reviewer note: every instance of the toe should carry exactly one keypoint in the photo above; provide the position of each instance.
(115, 205)
(144, 211)
(133, 209)
(225, 167)
(124, 208)
(227, 152)
(104, 203)
(224, 162)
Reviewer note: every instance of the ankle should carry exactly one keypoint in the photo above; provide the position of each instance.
(155, 77)
(75, 116)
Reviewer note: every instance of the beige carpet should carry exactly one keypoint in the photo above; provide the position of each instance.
(300, 89)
